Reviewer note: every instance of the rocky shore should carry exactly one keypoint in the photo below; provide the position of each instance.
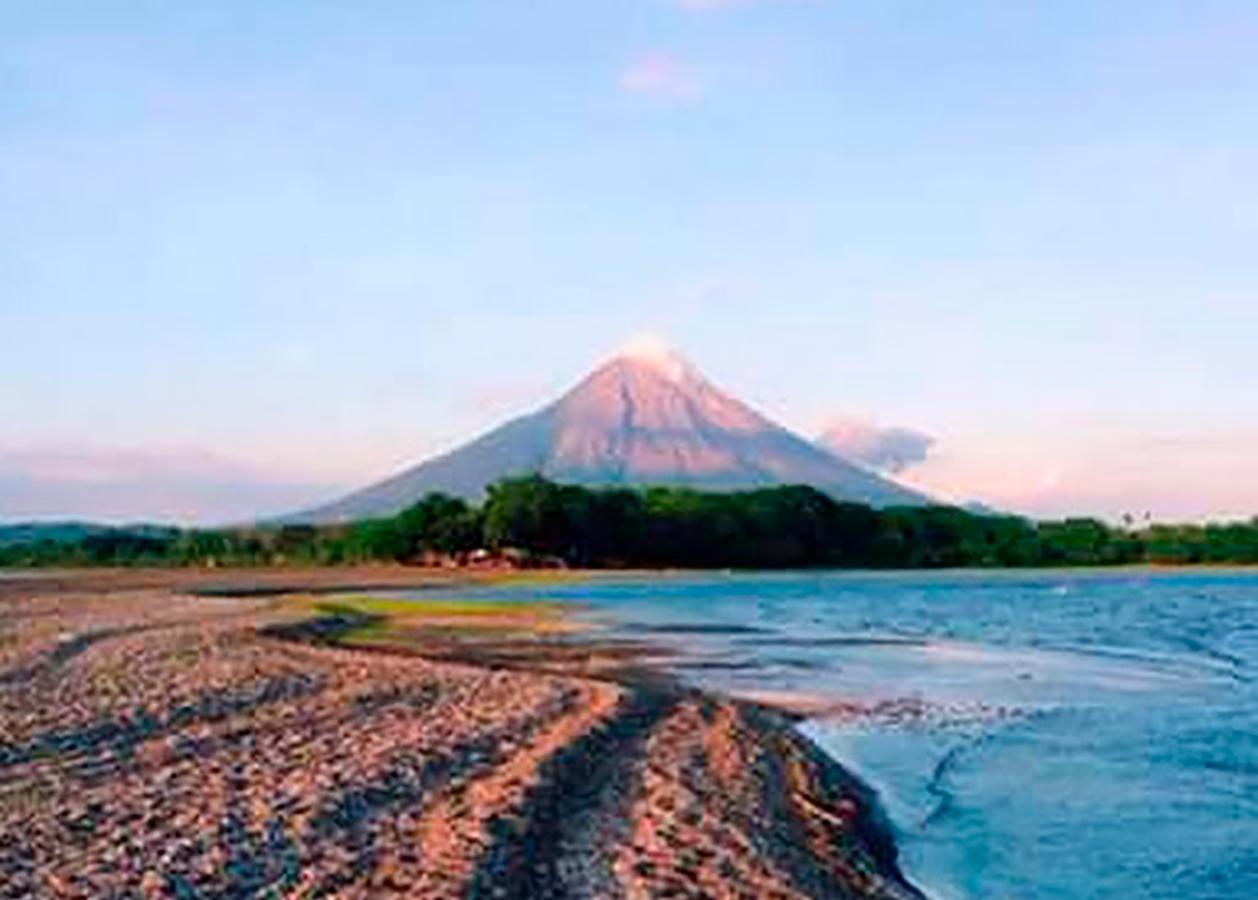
(156, 742)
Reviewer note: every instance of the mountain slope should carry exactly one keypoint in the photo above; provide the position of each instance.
(643, 418)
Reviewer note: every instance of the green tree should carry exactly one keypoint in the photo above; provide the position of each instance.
(440, 523)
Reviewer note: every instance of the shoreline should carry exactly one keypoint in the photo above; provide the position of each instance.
(411, 773)
(277, 579)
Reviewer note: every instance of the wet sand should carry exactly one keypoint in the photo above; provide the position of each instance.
(156, 741)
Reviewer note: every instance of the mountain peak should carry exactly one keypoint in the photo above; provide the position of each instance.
(645, 417)
(654, 352)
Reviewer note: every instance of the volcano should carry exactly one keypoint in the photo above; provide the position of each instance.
(647, 417)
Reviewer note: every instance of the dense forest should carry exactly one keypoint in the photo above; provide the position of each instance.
(532, 521)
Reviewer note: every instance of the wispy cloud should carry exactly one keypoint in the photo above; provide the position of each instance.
(884, 449)
(660, 75)
(118, 484)
(1068, 468)
(704, 6)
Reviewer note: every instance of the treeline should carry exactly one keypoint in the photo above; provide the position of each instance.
(535, 521)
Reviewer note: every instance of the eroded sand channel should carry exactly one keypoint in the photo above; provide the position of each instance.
(153, 742)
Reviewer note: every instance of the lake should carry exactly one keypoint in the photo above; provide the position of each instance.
(1032, 734)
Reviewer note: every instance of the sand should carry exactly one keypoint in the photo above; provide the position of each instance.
(157, 742)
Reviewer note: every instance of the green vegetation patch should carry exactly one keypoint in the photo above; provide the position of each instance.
(368, 620)
(537, 524)
(392, 607)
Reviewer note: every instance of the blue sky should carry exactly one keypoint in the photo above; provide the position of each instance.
(288, 247)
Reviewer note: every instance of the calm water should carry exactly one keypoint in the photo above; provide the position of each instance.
(1032, 735)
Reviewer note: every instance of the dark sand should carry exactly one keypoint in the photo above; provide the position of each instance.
(156, 742)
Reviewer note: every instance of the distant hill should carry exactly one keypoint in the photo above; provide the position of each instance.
(73, 532)
(646, 417)
(57, 532)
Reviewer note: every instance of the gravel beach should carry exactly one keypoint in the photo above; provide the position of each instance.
(156, 741)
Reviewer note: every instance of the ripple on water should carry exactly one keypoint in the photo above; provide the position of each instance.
(1036, 734)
